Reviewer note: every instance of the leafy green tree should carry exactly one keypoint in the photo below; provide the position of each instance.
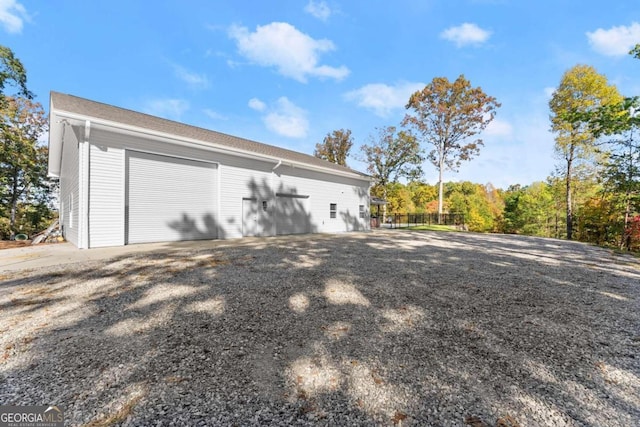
(600, 221)
(12, 73)
(471, 200)
(496, 204)
(511, 216)
(23, 161)
(582, 90)
(622, 178)
(445, 115)
(390, 156)
(529, 210)
(335, 147)
(635, 52)
(620, 123)
(399, 199)
(422, 194)
(557, 187)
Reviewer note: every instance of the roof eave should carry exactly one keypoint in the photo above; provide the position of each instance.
(55, 143)
(190, 141)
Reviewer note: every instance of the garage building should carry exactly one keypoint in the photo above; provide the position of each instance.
(128, 177)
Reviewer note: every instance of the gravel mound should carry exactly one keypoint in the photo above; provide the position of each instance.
(383, 328)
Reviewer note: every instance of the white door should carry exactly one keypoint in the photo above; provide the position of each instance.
(292, 214)
(250, 219)
(169, 199)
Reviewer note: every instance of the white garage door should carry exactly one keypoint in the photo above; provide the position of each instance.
(169, 199)
(292, 214)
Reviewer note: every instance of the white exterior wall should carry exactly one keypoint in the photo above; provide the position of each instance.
(106, 195)
(69, 184)
(238, 178)
(107, 174)
(255, 179)
(324, 189)
(244, 178)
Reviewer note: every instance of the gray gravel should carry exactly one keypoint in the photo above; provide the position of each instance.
(383, 328)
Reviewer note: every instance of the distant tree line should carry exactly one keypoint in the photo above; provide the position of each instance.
(592, 196)
(441, 125)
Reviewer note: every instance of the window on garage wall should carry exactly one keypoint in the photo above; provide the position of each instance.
(361, 209)
(333, 210)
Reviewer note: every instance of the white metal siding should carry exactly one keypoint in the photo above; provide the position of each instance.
(256, 220)
(69, 184)
(292, 214)
(170, 199)
(106, 197)
(250, 221)
(247, 179)
(325, 189)
(238, 178)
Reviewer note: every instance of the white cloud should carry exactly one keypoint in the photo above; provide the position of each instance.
(499, 128)
(197, 81)
(287, 119)
(283, 117)
(616, 41)
(214, 115)
(525, 157)
(256, 104)
(466, 34)
(293, 53)
(168, 108)
(383, 98)
(232, 64)
(320, 10)
(12, 16)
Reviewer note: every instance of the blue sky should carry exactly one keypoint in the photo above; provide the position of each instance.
(289, 72)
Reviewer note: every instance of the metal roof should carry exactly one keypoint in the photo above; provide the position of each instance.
(91, 109)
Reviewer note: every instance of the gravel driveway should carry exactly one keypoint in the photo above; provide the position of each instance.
(383, 328)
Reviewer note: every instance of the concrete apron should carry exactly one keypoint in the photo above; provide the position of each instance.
(48, 255)
(54, 254)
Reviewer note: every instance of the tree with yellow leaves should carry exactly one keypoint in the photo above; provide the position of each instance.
(582, 91)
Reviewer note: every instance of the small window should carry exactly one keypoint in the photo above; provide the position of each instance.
(264, 205)
(361, 208)
(333, 210)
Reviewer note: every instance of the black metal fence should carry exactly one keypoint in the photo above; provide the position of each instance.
(415, 219)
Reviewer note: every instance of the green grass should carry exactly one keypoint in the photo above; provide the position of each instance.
(433, 227)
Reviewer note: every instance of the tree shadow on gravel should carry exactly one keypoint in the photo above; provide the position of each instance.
(374, 328)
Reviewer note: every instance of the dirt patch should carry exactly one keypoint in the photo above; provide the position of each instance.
(10, 244)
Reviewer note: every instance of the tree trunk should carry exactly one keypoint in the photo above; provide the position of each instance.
(15, 197)
(568, 200)
(12, 214)
(440, 190)
(569, 211)
(626, 232)
(384, 208)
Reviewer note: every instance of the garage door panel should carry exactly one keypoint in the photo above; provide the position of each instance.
(169, 199)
